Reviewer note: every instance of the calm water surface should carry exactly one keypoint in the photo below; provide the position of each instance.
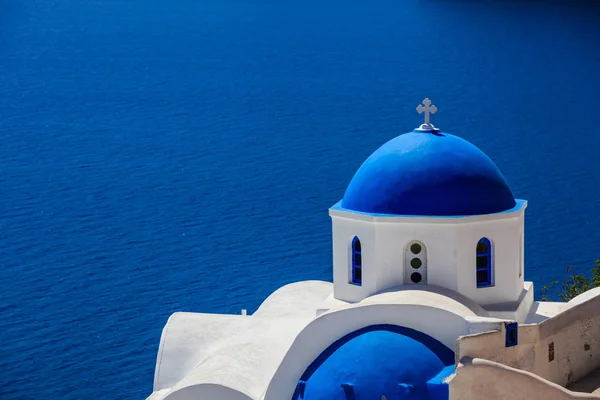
(161, 156)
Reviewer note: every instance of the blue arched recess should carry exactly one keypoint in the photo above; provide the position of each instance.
(380, 360)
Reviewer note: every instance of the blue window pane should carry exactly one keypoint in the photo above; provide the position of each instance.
(358, 275)
(482, 262)
(357, 260)
(482, 247)
(483, 277)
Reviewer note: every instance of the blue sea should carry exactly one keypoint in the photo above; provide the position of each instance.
(161, 156)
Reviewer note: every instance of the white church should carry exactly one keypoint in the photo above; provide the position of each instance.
(428, 300)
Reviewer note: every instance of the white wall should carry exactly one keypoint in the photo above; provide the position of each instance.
(393, 238)
(450, 244)
(504, 234)
(344, 230)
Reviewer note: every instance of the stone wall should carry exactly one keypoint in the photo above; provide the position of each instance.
(574, 335)
(561, 349)
(477, 379)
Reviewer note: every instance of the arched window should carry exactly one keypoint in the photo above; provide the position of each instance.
(356, 262)
(484, 263)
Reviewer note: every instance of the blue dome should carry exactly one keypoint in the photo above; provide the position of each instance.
(396, 362)
(428, 173)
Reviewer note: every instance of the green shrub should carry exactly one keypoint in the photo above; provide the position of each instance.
(573, 286)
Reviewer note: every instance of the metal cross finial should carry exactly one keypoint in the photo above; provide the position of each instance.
(428, 109)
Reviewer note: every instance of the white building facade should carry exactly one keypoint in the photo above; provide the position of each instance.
(427, 247)
(480, 257)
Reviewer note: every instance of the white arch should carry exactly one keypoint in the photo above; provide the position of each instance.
(329, 327)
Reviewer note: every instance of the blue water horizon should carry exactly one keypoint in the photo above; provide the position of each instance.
(182, 156)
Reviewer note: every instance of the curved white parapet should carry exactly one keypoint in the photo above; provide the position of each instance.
(234, 351)
(428, 295)
(583, 297)
(333, 325)
(239, 353)
(206, 391)
(299, 299)
(543, 310)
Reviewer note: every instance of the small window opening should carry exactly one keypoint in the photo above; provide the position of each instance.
(512, 334)
(484, 263)
(415, 248)
(415, 263)
(356, 262)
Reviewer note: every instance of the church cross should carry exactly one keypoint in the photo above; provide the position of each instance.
(428, 109)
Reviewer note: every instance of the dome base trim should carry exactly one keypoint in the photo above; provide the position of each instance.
(338, 210)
